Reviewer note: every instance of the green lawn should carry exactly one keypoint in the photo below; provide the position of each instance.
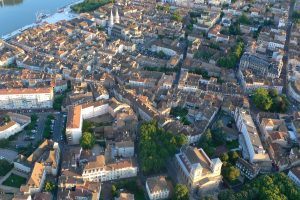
(14, 181)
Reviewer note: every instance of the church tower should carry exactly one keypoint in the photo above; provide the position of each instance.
(117, 16)
(111, 22)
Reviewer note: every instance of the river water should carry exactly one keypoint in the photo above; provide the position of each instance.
(15, 14)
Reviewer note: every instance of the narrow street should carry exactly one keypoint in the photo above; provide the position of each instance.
(284, 73)
(185, 48)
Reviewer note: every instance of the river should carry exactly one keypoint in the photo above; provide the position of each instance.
(15, 14)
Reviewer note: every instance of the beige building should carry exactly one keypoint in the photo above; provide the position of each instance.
(197, 170)
(157, 188)
(98, 169)
(36, 180)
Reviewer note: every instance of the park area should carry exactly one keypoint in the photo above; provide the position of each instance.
(14, 181)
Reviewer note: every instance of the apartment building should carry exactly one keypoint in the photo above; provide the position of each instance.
(189, 82)
(197, 170)
(74, 125)
(98, 169)
(261, 65)
(26, 98)
(251, 144)
(36, 180)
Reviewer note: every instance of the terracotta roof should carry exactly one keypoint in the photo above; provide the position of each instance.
(74, 115)
(11, 91)
(7, 125)
(36, 175)
(99, 162)
(120, 165)
(157, 184)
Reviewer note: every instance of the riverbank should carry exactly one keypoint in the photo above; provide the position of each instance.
(64, 13)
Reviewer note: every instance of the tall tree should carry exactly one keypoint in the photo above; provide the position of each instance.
(181, 192)
(261, 99)
(87, 140)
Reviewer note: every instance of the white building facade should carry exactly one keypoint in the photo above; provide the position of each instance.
(26, 98)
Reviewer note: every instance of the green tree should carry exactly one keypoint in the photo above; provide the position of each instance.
(261, 99)
(244, 19)
(274, 186)
(87, 126)
(4, 143)
(161, 54)
(156, 146)
(89, 5)
(176, 16)
(226, 195)
(181, 192)
(6, 119)
(234, 29)
(57, 103)
(296, 16)
(5, 167)
(231, 173)
(49, 186)
(114, 190)
(233, 156)
(224, 157)
(87, 140)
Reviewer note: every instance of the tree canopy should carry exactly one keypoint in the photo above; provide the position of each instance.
(229, 171)
(49, 186)
(270, 100)
(89, 5)
(181, 192)
(267, 187)
(231, 60)
(87, 140)
(244, 19)
(156, 146)
(176, 16)
(296, 16)
(5, 167)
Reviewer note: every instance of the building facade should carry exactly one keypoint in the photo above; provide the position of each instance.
(253, 147)
(98, 170)
(157, 188)
(26, 98)
(197, 170)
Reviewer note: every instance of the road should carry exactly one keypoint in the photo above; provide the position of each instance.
(185, 48)
(58, 128)
(284, 73)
